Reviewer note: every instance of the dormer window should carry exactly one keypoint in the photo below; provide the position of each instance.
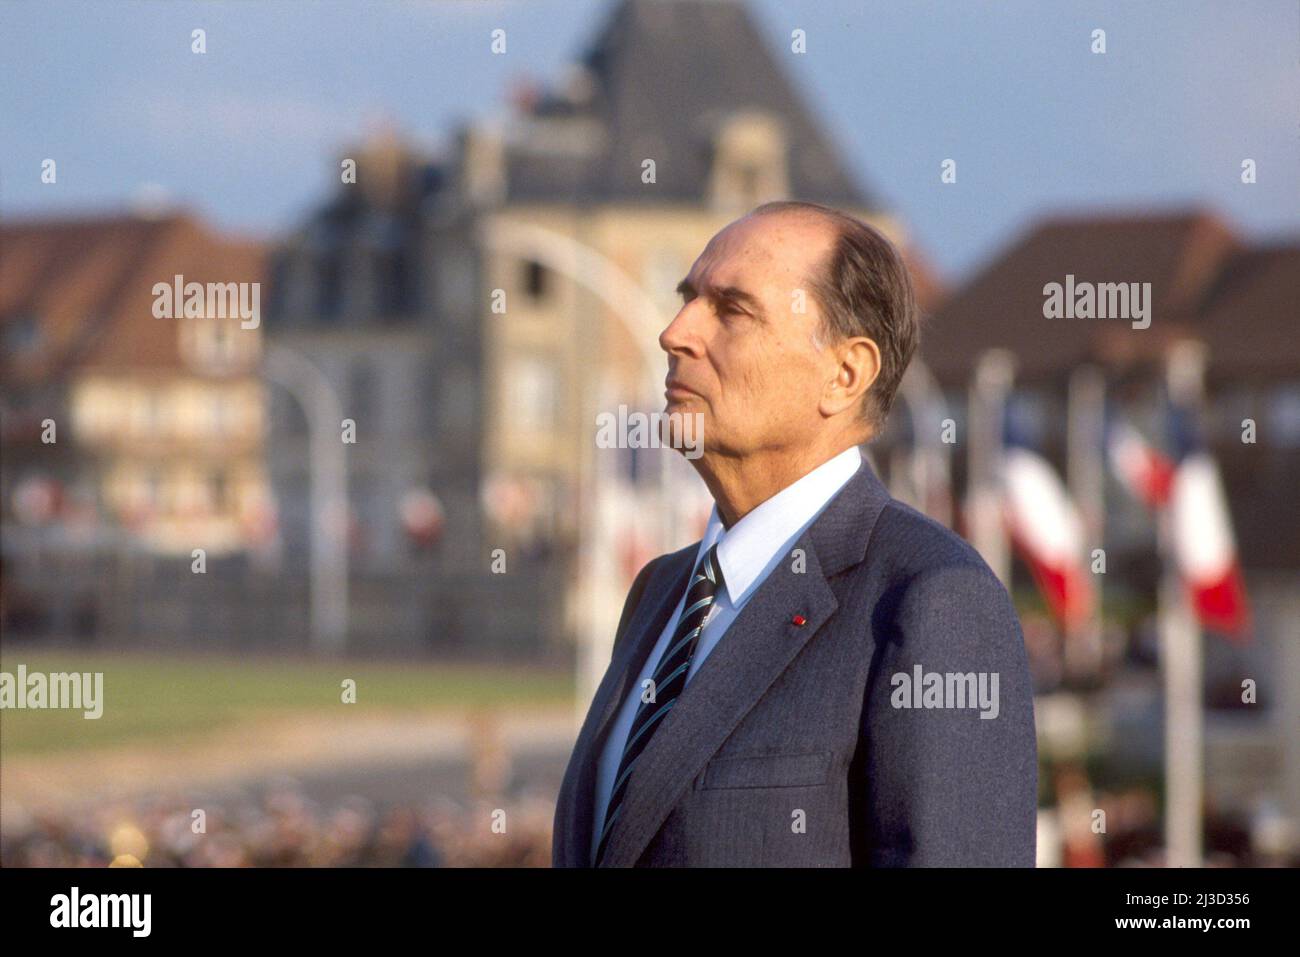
(749, 162)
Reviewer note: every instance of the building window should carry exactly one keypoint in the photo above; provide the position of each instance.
(213, 344)
(153, 489)
(1284, 414)
(361, 391)
(458, 400)
(749, 183)
(218, 489)
(330, 289)
(149, 414)
(393, 282)
(22, 335)
(533, 390)
(428, 390)
(457, 282)
(536, 279)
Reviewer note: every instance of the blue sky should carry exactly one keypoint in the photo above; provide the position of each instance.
(247, 134)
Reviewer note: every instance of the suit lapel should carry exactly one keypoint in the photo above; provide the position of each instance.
(758, 646)
(577, 793)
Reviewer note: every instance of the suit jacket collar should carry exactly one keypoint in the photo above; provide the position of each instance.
(759, 645)
(748, 547)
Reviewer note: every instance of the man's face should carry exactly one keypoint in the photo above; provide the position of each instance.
(741, 350)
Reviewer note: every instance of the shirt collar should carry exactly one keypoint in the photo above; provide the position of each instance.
(746, 549)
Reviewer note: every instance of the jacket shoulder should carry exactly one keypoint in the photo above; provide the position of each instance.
(926, 573)
(909, 542)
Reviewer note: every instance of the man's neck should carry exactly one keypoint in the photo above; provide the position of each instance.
(740, 485)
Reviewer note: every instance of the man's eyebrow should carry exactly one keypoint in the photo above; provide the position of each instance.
(736, 294)
(725, 294)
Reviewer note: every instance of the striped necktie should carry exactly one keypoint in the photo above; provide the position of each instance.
(669, 680)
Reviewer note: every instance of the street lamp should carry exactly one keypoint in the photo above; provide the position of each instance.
(328, 469)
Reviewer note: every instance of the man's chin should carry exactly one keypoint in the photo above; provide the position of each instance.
(683, 426)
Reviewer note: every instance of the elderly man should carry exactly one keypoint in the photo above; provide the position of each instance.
(829, 677)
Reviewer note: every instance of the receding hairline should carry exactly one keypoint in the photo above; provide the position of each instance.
(838, 223)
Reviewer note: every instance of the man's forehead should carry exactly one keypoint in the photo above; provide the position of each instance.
(774, 246)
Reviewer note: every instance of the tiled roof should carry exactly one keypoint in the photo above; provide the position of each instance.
(87, 283)
(1179, 254)
(663, 74)
(1249, 316)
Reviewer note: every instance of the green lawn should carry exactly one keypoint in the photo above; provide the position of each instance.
(148, 699)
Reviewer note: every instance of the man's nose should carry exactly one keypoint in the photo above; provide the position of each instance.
(679, 336)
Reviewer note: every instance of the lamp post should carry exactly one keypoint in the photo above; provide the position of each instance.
(328, 466)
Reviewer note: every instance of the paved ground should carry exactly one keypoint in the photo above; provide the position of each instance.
(398, 759)
(540, 772)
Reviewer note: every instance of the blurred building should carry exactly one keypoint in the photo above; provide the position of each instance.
(378, 294)
(475, 311)
(122, 429)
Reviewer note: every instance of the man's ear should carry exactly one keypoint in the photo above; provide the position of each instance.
(857, 367)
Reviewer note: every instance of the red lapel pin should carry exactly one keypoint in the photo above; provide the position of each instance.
(799, 620)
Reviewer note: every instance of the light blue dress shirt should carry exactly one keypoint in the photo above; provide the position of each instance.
(747, 553)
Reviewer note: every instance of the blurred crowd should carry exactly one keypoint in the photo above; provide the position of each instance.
(1084, 822)
(281, 827)
(1119, 825)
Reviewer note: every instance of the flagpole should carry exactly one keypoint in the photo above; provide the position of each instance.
(1181, 663)
(994, 374)
(1086, 480)
(931, 457)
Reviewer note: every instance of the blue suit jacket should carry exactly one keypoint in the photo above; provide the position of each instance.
(791, 745)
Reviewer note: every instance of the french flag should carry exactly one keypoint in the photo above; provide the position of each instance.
(1144, 470)
(1046, 529)
(1186, 483)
